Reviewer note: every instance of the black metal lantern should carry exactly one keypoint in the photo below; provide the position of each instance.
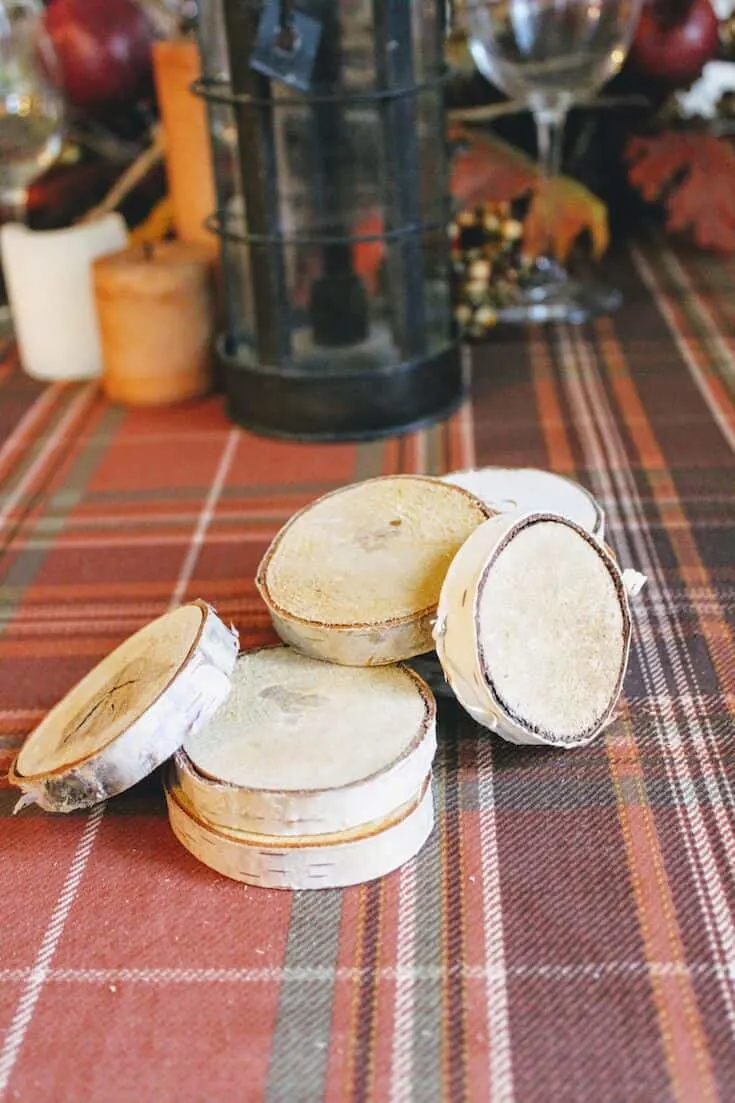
(327, 123)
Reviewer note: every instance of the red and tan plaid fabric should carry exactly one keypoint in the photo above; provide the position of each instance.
(568, 932)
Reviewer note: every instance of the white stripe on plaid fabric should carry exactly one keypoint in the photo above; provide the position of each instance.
(140, 539)
(205, 517)
(325, 974)
(495, 974)
(689, 1053)
(401, 1088)
(680, 657)
(84, 398)
(157, 513)
(403, 1052)
(649, 278)
(38, 975)
(710, 889)
(499, 1049)
(592, 416)
(77, 612)
(716, 337)
(241, 534)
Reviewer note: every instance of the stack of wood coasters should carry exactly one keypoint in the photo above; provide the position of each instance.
(317, 771)
(310, 775)
(308, 765)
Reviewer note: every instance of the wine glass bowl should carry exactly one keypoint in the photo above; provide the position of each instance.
(551, 54)
(539, 48)
(31, 107)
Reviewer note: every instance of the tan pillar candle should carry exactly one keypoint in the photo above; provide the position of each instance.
(188, 154)
(156, 317)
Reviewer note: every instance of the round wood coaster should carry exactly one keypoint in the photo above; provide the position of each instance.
(533, 630)
(130, 713)
(530, 490)
(305, 862)
(355, 577)
(302, 747)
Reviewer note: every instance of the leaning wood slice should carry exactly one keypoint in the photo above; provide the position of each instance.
(429, 668)
(130, 713)
(303, 747)
(355, 577)
(530, 490)
(533, 630)
(305, 862)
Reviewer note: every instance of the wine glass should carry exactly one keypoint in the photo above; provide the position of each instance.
(551, 54)
(31, 107)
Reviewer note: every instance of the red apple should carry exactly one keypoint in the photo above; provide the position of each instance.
(103, 49)
(674, 40)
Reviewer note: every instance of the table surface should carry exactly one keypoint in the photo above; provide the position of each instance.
(567, 933)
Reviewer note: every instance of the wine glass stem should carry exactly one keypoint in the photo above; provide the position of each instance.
(550, 131)
(550, 137)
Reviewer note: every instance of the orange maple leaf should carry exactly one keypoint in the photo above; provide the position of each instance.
(693, 174)
(561, 209)
(488, 170)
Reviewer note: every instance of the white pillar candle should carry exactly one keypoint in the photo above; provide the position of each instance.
(48, 275)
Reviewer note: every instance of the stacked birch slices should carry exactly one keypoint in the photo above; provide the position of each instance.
(311, 775)
(308, 765)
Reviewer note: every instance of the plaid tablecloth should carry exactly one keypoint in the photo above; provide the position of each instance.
(568, 932)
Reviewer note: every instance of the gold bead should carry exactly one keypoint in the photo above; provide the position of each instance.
(512, 230)
(486, 317)
(476, 291)
(480, 270)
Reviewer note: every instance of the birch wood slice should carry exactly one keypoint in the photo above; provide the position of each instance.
(130, 713)
(533, 630)
(355, 577)
(305, 862)
(303, 747)
(530, 490)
